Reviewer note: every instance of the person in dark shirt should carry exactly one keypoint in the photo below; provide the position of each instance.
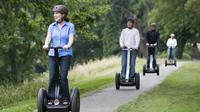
(152, 37)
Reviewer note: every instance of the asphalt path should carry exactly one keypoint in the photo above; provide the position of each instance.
(109, 99)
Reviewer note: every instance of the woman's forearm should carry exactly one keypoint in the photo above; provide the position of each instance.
(71, 40)
(48, 39)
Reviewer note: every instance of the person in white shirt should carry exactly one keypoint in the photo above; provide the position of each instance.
(171, 44)
(129, 38)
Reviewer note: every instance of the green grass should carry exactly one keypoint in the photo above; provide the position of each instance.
(84, 86)
(180, 92)
(88, 78)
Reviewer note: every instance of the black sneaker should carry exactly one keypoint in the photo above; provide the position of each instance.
(123, 79)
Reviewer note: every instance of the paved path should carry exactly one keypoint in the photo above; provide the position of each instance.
(110, 99)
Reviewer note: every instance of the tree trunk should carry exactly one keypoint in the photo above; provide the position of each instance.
(182, 40)
(12, 57)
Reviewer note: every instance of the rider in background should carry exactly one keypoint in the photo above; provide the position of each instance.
(171, 44)
(152, 37)
(129, 38)
(60, 34)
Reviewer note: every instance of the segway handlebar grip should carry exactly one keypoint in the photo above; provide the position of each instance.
(59, 47)
(127, 49)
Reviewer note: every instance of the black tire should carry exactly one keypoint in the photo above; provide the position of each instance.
(158, 71)
(144, 69)
(165, 62)
(175, 63)
(137, 81)
(117, 81)
(75, 100)
(42, 100)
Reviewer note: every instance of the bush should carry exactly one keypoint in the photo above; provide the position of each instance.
(162, 54)
(186, 56)
(11, 93)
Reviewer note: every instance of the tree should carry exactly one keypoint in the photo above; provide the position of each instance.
(116, 21)
(22, 25)
(176, 17)
(23, 30)
(88, 18)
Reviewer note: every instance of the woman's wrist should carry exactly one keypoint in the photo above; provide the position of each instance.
(66, 46)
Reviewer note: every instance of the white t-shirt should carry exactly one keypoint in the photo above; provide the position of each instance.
(130, 38)
(171, 42)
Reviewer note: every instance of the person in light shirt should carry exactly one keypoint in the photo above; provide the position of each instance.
(129, 38)
(60, 34)
(171, 44)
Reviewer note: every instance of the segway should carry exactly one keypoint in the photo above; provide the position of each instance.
(42, 99)
(170, 60)
(129, 80)
(151, 69)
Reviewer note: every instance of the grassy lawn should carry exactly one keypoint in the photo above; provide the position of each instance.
(180, 92)
(88, 78)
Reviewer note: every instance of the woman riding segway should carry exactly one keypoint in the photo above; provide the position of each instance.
(60, 33)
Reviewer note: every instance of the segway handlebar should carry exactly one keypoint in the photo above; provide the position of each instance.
(127, 49)
(55, 48)
(59, 47)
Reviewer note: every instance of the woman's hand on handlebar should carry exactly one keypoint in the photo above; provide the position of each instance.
(46, 47)
(124, 47)
(151, 45)
(66, 47)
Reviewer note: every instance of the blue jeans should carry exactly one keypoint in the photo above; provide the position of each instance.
(56, 78)
(171, 54)
(152, 52)
(133, 55)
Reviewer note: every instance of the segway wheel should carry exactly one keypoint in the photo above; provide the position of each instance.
(117, 81)
(42, 100)
(137, 81)
(175, 63)
(158, 71)
(144, 69)
(75, 100)
(165, 62)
